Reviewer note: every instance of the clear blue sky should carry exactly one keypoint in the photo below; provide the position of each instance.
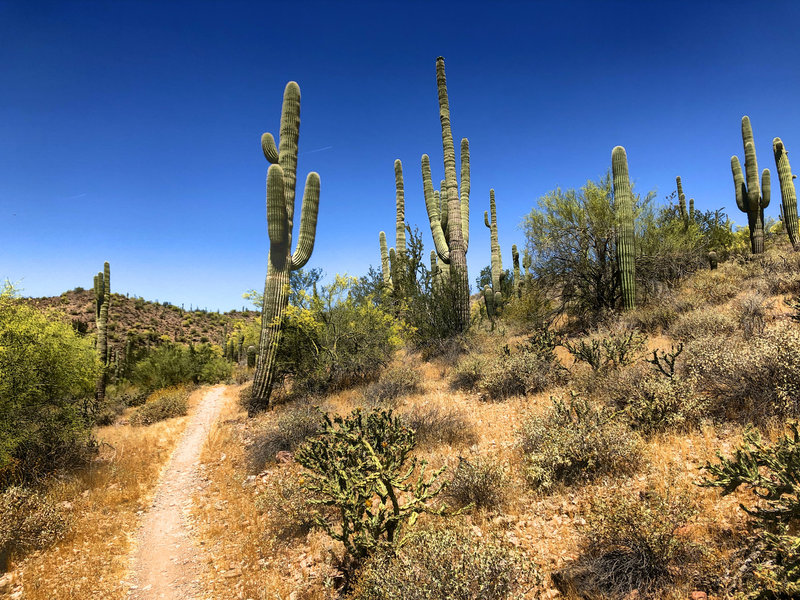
(129, 131)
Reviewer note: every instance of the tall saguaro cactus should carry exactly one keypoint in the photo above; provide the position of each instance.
(102, 303)
(451, 232)
(281, 182)
(788, 193)
(497, 260)
(749, 198)
(687, 216)
(517, 272)
(400, 205)
(623, 208)
(385, 266)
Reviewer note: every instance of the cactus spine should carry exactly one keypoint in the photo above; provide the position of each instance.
(623, 207)
(281, 182)
(788, 192)
(497, 260)
(451, 232)
(749, 198)
(102, 303)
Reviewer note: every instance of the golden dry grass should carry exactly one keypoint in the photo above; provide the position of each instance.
(106, 500)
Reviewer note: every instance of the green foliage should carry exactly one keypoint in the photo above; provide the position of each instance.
(174, 364)
(772, 474)
(161, 405)
(362, 466)
(47, 376)
(576, 442)
(447, 565)
(29, 520)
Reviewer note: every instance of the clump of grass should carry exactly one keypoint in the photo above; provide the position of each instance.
(284, 503)
(480, 483)
(702, 323)
(29, 520)
(468, 372)
(162, 404)
(576, 442)
(434, 425)
(283, 430)
(392, 385)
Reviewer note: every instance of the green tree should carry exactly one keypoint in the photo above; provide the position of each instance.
(47, 375)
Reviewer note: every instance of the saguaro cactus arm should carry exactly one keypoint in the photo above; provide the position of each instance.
(432, 206)
(308, 222)
(385, 268)
(465, 189)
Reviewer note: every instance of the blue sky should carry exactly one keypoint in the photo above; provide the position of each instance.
(129, 131)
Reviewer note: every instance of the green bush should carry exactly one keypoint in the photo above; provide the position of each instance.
(161, 405)
(576, 442)
(772, 474)
(175, 364)
(632, 546)
(447, 565)
(362, 466)
(29, 521)
(480, 483)
(608, 350)
(47, 377)
(433, 425)
(519, 373)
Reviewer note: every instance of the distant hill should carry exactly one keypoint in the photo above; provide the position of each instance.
(144, 321)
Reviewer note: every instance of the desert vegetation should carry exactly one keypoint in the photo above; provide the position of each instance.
(614, 416)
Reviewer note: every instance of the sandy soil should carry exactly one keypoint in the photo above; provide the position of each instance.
(166, 562)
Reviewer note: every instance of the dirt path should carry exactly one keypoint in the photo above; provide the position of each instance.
(166, 563)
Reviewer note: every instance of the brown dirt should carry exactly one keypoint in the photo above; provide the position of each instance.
(167, 562)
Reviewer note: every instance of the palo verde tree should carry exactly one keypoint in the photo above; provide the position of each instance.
(450, 236)
(281, 181)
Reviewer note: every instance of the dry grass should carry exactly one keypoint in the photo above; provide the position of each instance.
(105, 502)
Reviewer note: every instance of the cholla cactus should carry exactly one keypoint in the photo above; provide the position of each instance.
(281, 181)
(450, 228)
(497, 260)
(623, 207)
(102, 303)
(788, 193)
(749, 198)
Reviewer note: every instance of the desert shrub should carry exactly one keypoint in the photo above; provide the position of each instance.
(632, 544)
(468, 372)
(47, 377)
(29, 520)
(393, 384)
(480, 483)
(283, 430)
(519, 373)
(657, 316)
(608, 350)
(714, 287)
(284, 504)
(362, 466)
(162, 404)
(703, 322)
(576, 442)
(771, 473)
(434, 425)
(749, 379)
(175, 364)
(753, 310)
(446, 565)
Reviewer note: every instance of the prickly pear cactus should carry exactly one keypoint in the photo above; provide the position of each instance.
(749, 198)
(281, 183)
(450, 236)
(623, 207)
(788, 192)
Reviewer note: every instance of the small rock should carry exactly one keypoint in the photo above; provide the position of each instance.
(698, 596)
(283, 457)
(5, 583)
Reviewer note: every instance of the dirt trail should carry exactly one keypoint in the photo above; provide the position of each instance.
(166, 563)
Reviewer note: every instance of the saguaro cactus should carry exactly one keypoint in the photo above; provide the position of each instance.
(517, 272)
(685, 215)
(281, 181)
(749, 198)
(386, 269)
(623, 208)
(400, 205)
(788, 192)
(102, 303)
(451, 237)
(497, 260)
